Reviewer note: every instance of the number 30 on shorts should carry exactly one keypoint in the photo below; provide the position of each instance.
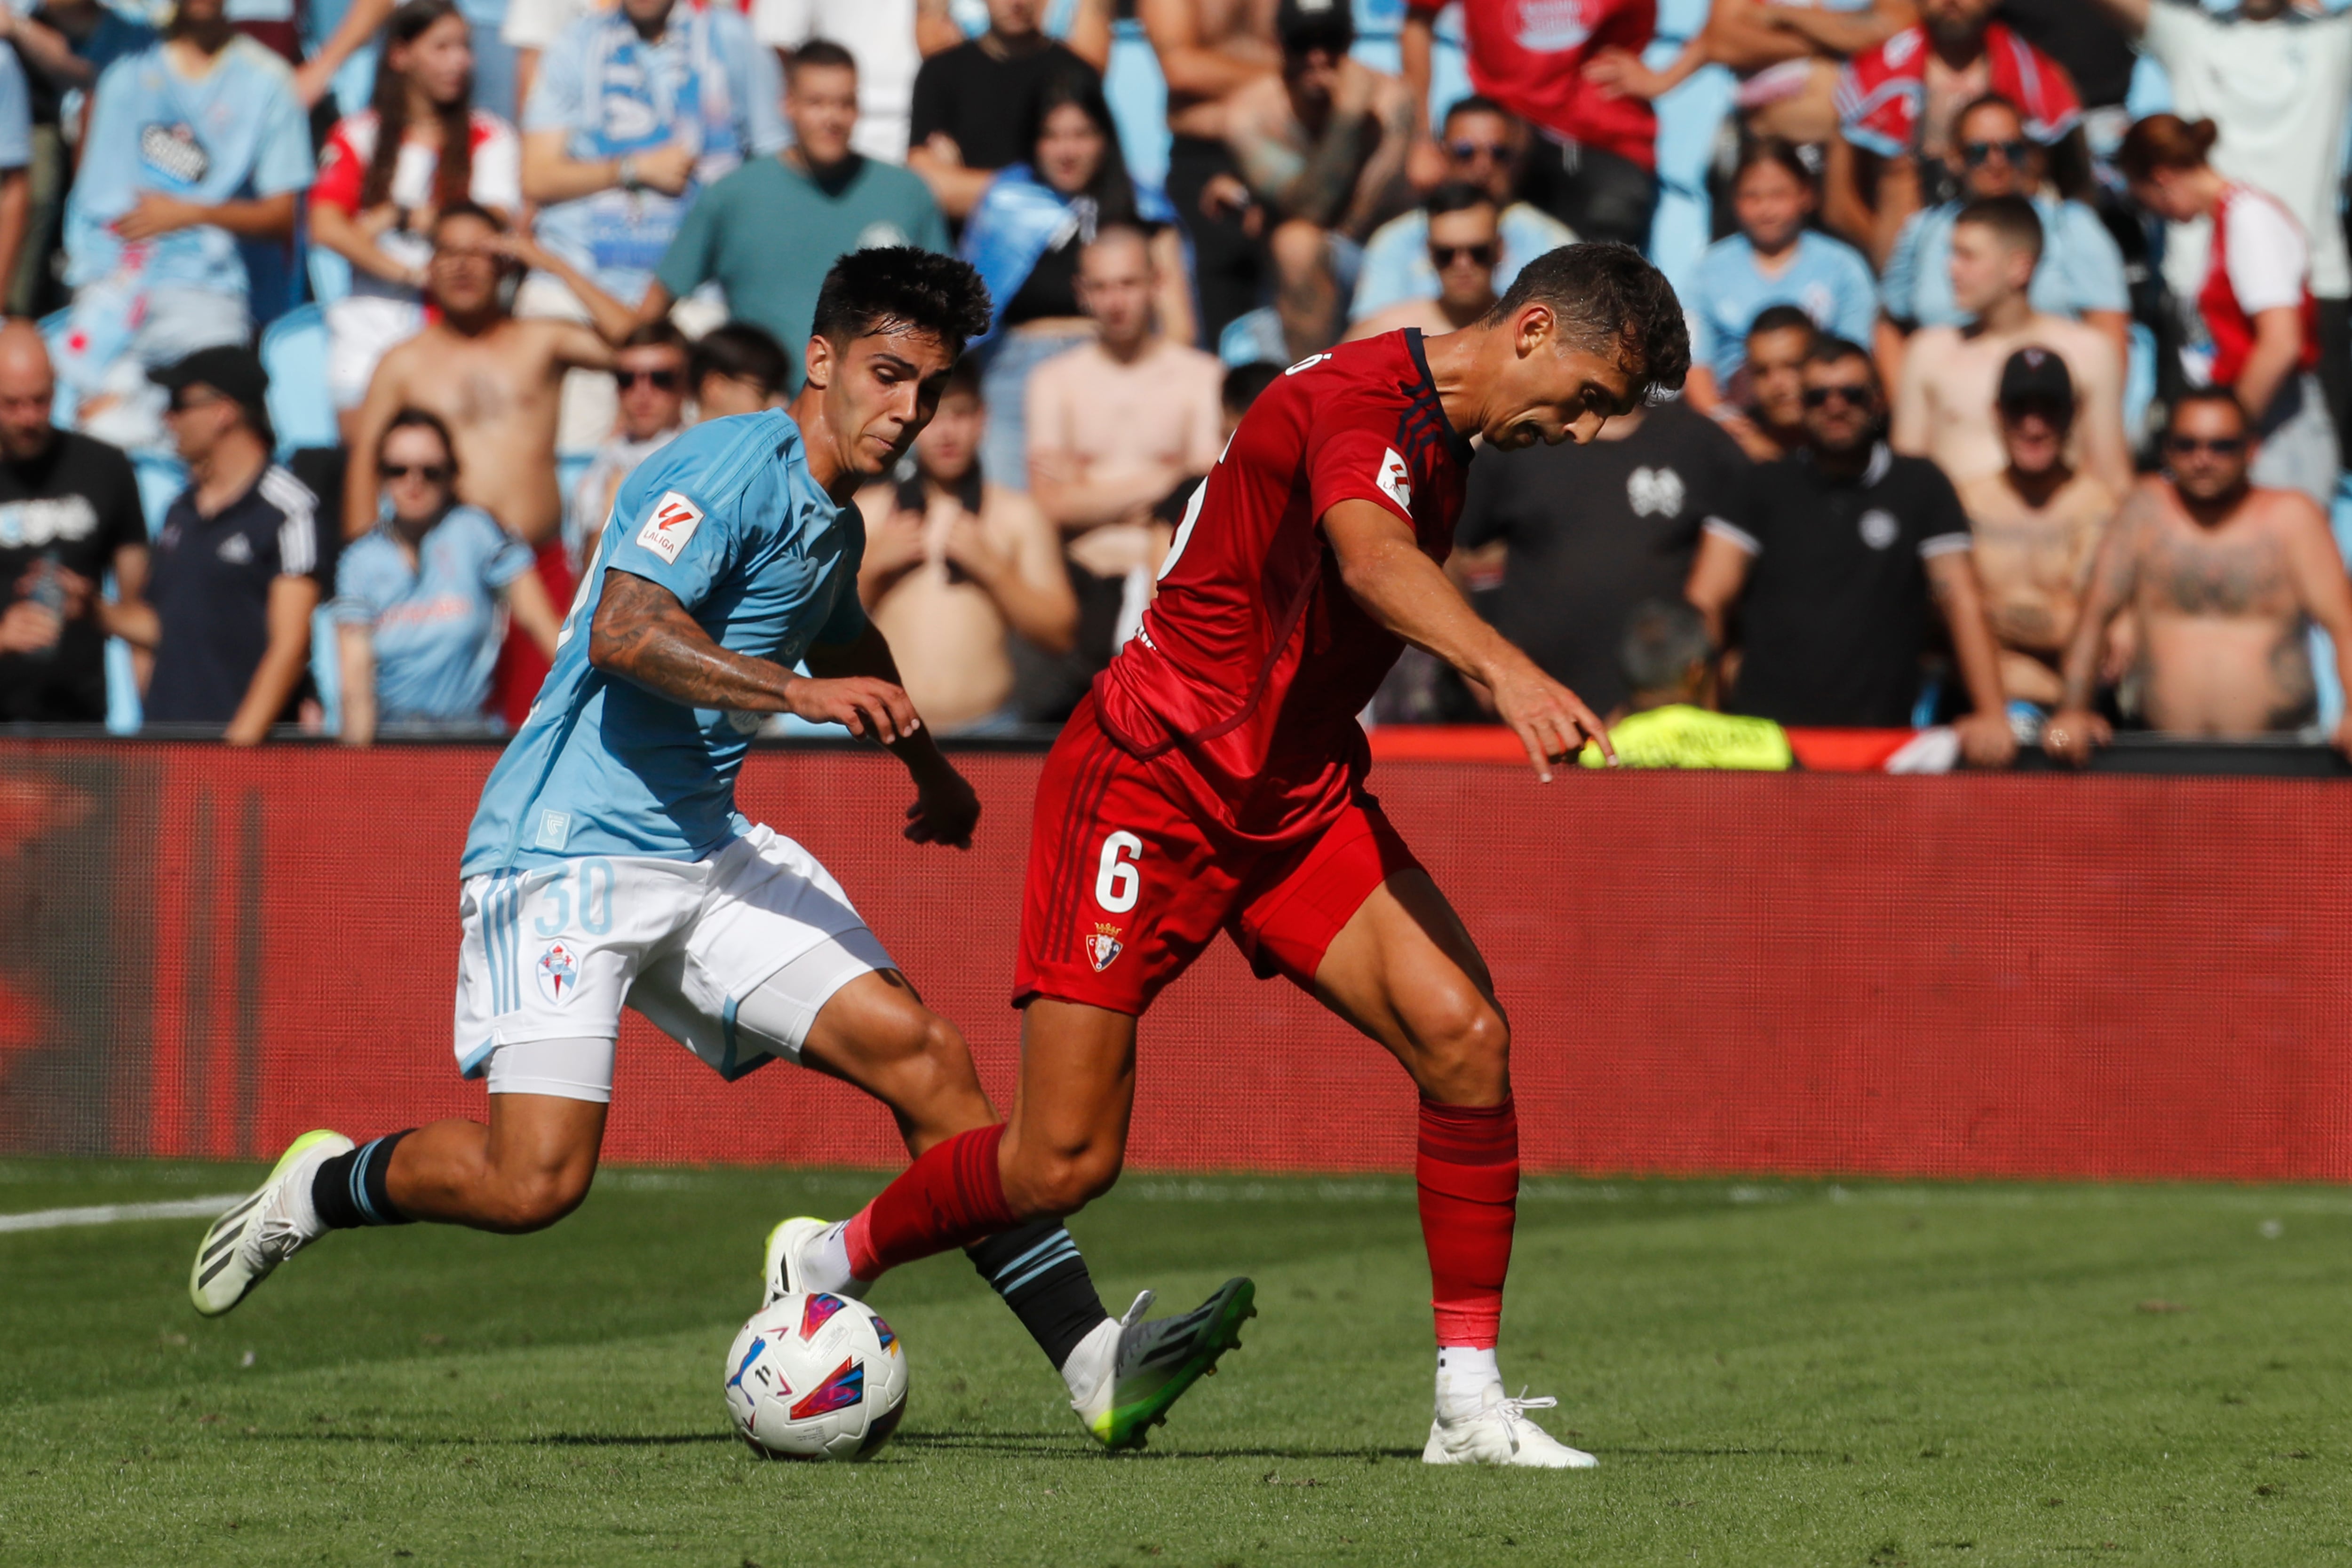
(1117, 880)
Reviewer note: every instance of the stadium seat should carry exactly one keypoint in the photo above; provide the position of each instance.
(53, 334)
(331, 276)
(294, 352)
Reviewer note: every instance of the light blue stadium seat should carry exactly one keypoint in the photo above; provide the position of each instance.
(331, 276)
(53, 334)
(294, 352)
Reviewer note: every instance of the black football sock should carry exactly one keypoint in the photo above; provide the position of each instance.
(349, 1191)
(1038, 1272)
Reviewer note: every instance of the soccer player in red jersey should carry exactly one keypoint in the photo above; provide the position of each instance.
(1214, 781)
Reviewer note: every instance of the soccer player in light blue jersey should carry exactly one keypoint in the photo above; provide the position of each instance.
(608, 862)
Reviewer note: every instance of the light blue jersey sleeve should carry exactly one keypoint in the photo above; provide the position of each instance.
(673, 537)
(1857, 295)
(370, 576)
(16, 114)
(558, 89)
(282, 159)
(1898, 285)
(504, 557)
(757, 81)
(2090, 262)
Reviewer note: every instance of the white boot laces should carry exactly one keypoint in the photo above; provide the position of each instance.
(1514, 1411)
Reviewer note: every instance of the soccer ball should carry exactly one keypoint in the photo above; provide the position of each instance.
(816, 1376)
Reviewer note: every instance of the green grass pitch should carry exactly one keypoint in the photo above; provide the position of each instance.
(1772, 1375)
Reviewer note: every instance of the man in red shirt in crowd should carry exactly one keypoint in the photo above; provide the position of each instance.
(1594, 163)
(1216, 780)
(1897, 105)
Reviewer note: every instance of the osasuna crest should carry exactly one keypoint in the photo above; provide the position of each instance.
(673, 523)
(1396, 479)
(559, 973)
(1102, 946)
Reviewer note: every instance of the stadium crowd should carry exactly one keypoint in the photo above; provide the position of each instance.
(2022, 338)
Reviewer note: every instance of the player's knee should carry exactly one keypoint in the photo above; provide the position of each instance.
(1462, 1046)
(1058, 1184)
(533, 1200)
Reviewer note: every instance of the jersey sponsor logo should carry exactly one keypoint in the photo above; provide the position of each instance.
(1879, 528)
(1103, 944)
(174, 151)
(1655, 490)
(1395, 479)
(673, 523)
(554, 827)
(558, 972)
(30, 525)
(1547, 26)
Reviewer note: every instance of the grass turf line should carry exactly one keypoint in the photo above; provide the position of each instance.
(1771, 1374)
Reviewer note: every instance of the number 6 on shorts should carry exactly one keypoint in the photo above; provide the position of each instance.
(1117, 881)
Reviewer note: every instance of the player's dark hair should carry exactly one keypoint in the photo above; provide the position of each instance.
(742, 353)
(1458, 197)
(2192, 396)
(1245, 383)
(1476, 103)
(413, 418)
(1607, 299)
(897, 288)
(818, 52)
(1785, 319)
(2012, 220)
(660, 333)
(1664, 638)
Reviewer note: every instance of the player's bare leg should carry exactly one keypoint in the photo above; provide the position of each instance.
(876, 1033)
(1067, 1139)
(1405, 972)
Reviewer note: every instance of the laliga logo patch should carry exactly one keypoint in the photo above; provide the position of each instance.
(1396, 479)
(1103, 946)
(673, 523)
(559, 973)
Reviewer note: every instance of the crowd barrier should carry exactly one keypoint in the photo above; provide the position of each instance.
(210, 951)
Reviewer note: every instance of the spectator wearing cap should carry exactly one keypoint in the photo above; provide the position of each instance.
(2256, 319)
(194, 145)
(2080, 275)
(768, 232)
(1829, 558)
(416, 601)
(69, 515)
(2275, 78)
(1465, 245)
(1594, 164)
(1482, 145)
(2036, 525)
(737, 369)
(1774, 259)
(1897, 103)
(1766, 414)
(1951, 376)
(1667, 659)
(230, 597)
(970, 100)
(1321, 148)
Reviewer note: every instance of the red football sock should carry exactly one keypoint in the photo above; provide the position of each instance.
(1468, 1172)
(951, 1197)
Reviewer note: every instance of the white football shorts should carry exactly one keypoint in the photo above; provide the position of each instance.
(552, 953)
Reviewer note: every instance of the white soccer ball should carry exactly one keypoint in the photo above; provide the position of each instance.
(815, 1375)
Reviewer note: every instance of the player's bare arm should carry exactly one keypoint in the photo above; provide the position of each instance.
(1986, 739)
(2075, 731)
(946, 806)
(642, 633)
(1411, 595)
(2324, 591)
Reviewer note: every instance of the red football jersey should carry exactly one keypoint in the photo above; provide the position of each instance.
(1253, 661)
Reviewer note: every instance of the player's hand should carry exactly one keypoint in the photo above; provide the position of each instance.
(861, 704)
(1551, 721)
(946, 806)
(1986, 739)
(2074, 734)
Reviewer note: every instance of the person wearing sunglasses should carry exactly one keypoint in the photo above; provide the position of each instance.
(2225, 580)
(1483, 145)
(2080, 275)
(1830, 558)
(1951, 376)
(1774, 259)
(2253, 324)
(649, 375)
(1466, 248)
(416, 601)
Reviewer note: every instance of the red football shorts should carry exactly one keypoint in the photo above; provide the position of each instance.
(1127, 886)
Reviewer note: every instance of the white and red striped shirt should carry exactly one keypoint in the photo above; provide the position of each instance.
(494, 180)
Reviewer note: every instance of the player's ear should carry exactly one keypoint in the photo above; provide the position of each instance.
(1534, 329)
(817, 360)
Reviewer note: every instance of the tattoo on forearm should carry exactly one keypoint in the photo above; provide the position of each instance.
(642, 632)
(1323, 187)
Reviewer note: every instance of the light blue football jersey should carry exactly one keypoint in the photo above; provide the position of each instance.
(727, 518)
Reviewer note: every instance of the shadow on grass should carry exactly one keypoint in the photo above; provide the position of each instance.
(1047, 1445)
(1036, 1444)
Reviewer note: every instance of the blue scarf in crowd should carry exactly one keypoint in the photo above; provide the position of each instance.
(1020, 218)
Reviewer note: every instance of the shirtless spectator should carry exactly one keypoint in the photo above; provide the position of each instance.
(2036, 523)
(955, 567)
(971, 100)
(1951, 375)
(737, 369)
(1768, 420)
(1209, 50)
(1786, 54)
(2225, 580)
(649, 370)
(1321, 148)
(1465, 241)
(494, 381)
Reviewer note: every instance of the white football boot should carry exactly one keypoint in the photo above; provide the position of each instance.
(1499, 1433)
(807, 1254)
(245, 1244)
